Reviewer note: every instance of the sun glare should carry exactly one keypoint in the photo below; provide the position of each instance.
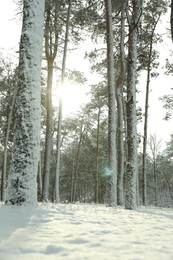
(73, 96)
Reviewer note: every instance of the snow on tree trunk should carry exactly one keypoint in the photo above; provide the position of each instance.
(4, 172)
(22, 185)
(131, 167)
(111, 100)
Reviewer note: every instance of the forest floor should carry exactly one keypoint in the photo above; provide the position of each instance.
(82, 231)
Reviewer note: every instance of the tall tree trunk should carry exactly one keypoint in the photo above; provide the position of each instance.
(72, 179)
(154, 146)
(22, 185)
(97, 159)
(144, 195)
(111, 101)
(39, 180)
(4, 171)
(155, 182)
(120, 112)
(76, 167)
(48, 140)
(51, 42)
(131, 167)
(120, 146)
(57, 174)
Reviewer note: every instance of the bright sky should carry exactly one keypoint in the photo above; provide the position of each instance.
(10, 35)
(9, 27)
(159, 87)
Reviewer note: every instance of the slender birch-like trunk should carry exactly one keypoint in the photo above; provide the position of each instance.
(48, 139)
(111, 100)
(51, 43)
(39, 180)
(57, 176)
(154, 147)
(120, 112)
(145, 137)
(97, 158)
(131, 167)
(22, 185)
(76, 167)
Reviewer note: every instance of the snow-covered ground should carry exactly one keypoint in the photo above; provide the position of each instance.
(92, 232)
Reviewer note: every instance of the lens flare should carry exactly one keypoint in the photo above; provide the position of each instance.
(107, 171)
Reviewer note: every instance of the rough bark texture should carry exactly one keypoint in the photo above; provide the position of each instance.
(22, 186)
(131, 167)
(111, 100)
(4, 171)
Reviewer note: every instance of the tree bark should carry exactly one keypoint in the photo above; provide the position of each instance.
(131, 166)
(4, 171)
(144, 195)
(111, 101)
(22, 185)
(76, 167)
(39, 180)
(57, 174)
(155, 182)
(48, 140)
(97, 158)
(120, 112)
(51, 42)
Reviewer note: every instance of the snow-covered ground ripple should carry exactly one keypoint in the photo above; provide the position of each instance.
(84, 231)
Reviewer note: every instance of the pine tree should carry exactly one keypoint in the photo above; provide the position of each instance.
(151, 17)
(131, 165)
(58, 155)
(22, 186)
(111, 100)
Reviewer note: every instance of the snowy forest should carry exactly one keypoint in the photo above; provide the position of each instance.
(82, 176)
(93, 155)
